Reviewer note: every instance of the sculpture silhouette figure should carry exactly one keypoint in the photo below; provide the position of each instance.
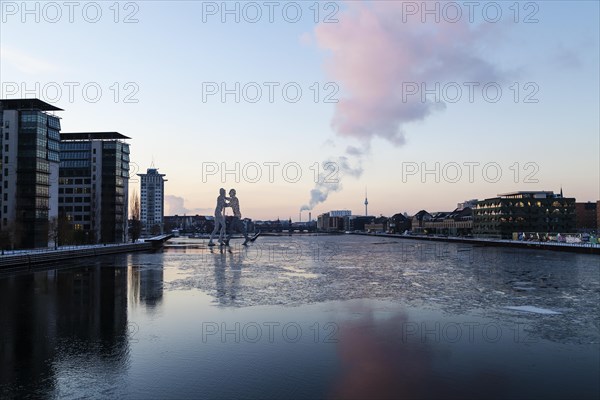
(219, 218)
(236, 221)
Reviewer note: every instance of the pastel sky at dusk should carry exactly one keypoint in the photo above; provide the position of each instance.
(361, 70)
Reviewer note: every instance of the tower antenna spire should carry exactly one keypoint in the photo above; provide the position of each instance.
(366, 203)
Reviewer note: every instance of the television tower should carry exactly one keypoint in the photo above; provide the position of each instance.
(366, 204)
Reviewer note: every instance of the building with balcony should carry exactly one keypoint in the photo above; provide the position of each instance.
(152, 201)
(329, 222)
(93, 185)
(29, 165)
(535, 211)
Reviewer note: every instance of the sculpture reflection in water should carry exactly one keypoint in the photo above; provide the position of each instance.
(228, 271)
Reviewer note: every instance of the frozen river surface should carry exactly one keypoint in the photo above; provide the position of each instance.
(306, 317)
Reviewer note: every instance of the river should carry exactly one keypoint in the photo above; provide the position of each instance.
(305, 317)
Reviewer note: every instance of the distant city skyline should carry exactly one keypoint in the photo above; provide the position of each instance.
(502, 105)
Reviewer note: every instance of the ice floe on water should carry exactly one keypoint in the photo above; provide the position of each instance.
(523, 289)
(269, 274)
(533, 309)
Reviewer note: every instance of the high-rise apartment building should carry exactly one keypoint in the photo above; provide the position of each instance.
(152, 199)
(29, 164)
(93, 185)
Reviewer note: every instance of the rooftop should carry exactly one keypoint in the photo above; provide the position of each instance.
(27, 104)
(93, 136)
(152, 171)
(546, 192)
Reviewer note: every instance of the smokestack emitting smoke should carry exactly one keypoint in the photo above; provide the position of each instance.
(375, 53)
(326, 184)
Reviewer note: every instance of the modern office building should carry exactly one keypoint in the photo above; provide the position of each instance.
(93, 185)
(535, 211)
(152, 201)
(29, 162)
(333, 220)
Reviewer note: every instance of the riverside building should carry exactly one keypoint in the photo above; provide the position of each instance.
(93, 185)
(29, 165)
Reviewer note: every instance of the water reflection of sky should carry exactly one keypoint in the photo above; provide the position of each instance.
(305, 318)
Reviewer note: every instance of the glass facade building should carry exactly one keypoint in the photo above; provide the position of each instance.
(93, 185)
(29, 155)
(543, 212)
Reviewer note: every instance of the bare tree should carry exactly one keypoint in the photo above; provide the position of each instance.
(135, 224)
(53, 231)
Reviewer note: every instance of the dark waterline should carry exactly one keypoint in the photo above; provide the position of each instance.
(305, 317)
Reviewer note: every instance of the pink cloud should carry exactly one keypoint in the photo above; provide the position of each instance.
(372, 53)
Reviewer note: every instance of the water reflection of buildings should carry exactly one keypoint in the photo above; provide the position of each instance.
(51, 318)
(145, 281)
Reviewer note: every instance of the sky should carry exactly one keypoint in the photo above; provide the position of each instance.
(308, 105)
